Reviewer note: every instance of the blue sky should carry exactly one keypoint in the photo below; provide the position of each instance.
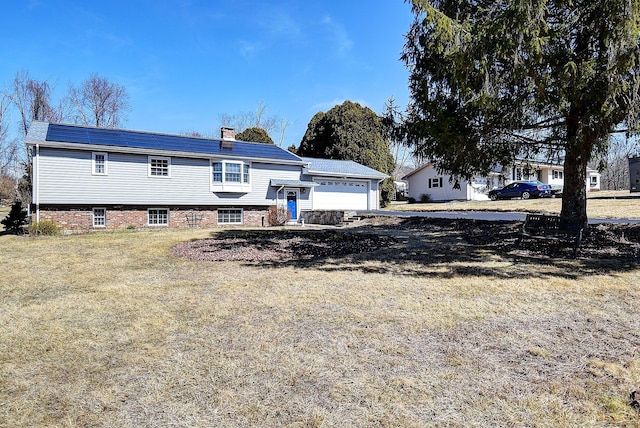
(186, 62)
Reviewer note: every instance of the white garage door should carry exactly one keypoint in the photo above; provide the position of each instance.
(340, 195)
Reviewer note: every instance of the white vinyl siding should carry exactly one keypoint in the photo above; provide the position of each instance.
(421, 183)
(64, 179)
(99, 163)
(158, 216)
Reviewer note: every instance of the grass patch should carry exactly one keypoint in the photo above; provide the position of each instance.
(3, 213)
(111, 329)
(605, 204)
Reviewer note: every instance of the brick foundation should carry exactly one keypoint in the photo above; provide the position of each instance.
(75, 219)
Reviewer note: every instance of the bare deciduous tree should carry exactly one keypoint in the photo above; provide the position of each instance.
(402, 153)
(7, 149)
(32, 99)
(8, 155)
(256, 119)
(283, 124)
(98, 102)
(614, 163)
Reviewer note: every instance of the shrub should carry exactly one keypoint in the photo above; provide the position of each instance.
(44, 227)
(278, 215)
(16, 219)
(425, 197)
(411, 200)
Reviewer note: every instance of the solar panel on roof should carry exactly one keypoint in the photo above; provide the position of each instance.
(144, 140)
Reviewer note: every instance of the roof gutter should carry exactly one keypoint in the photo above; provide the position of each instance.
(343, 176)
(35, 185)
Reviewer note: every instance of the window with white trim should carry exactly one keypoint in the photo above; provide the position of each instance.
(557, 175)
(99, 217)
(99, 163)
(232, 172)
(517, 174)
(594, 180)
(230, 176)
(158, 216)
(217, 172)
(159, 166)
(245, 173)
(229, 216)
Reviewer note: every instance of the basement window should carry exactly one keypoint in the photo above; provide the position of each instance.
(99, 217)
(230, 216)
(158, 216)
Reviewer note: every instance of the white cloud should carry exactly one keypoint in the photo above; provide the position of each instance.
(281, 24)
(338, 36)
(248, 49)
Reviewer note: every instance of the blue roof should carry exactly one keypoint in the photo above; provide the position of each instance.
(165, 142)
(341, 168)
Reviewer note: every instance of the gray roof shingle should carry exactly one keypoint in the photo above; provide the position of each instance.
(339, 168)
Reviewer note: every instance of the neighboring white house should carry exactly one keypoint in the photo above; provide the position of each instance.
(86, 177)
(426, 183)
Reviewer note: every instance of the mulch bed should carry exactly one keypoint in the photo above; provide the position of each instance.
(280, 245)
(610, 241)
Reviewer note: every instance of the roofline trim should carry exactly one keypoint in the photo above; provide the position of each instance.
(346, 175)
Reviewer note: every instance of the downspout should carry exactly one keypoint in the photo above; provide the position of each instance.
(277, 194)
(378, 194)
(36, 183)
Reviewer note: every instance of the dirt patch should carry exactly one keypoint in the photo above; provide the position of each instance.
(280, 245)
(619, 241)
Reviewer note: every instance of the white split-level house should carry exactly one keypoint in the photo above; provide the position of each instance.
(426, 182)
(92, 178)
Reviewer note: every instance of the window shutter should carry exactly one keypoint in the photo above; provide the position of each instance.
(440, 182)
(429, 183)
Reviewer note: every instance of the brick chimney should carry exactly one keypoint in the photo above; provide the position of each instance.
(227, 136)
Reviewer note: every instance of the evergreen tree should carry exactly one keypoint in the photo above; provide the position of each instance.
(351, 132)
(254, 135)
(491, 81)
(15, 221)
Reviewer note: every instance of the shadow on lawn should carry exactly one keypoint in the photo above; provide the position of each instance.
(450, 248)
(442, 248)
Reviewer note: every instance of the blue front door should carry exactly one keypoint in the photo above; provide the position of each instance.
(292, 204)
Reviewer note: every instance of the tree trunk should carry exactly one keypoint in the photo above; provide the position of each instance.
(574, 193)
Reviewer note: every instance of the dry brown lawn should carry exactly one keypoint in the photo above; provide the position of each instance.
(605, 204)
(112, 330)
(3, 213)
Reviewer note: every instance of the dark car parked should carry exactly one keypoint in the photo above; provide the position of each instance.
(521, 189)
